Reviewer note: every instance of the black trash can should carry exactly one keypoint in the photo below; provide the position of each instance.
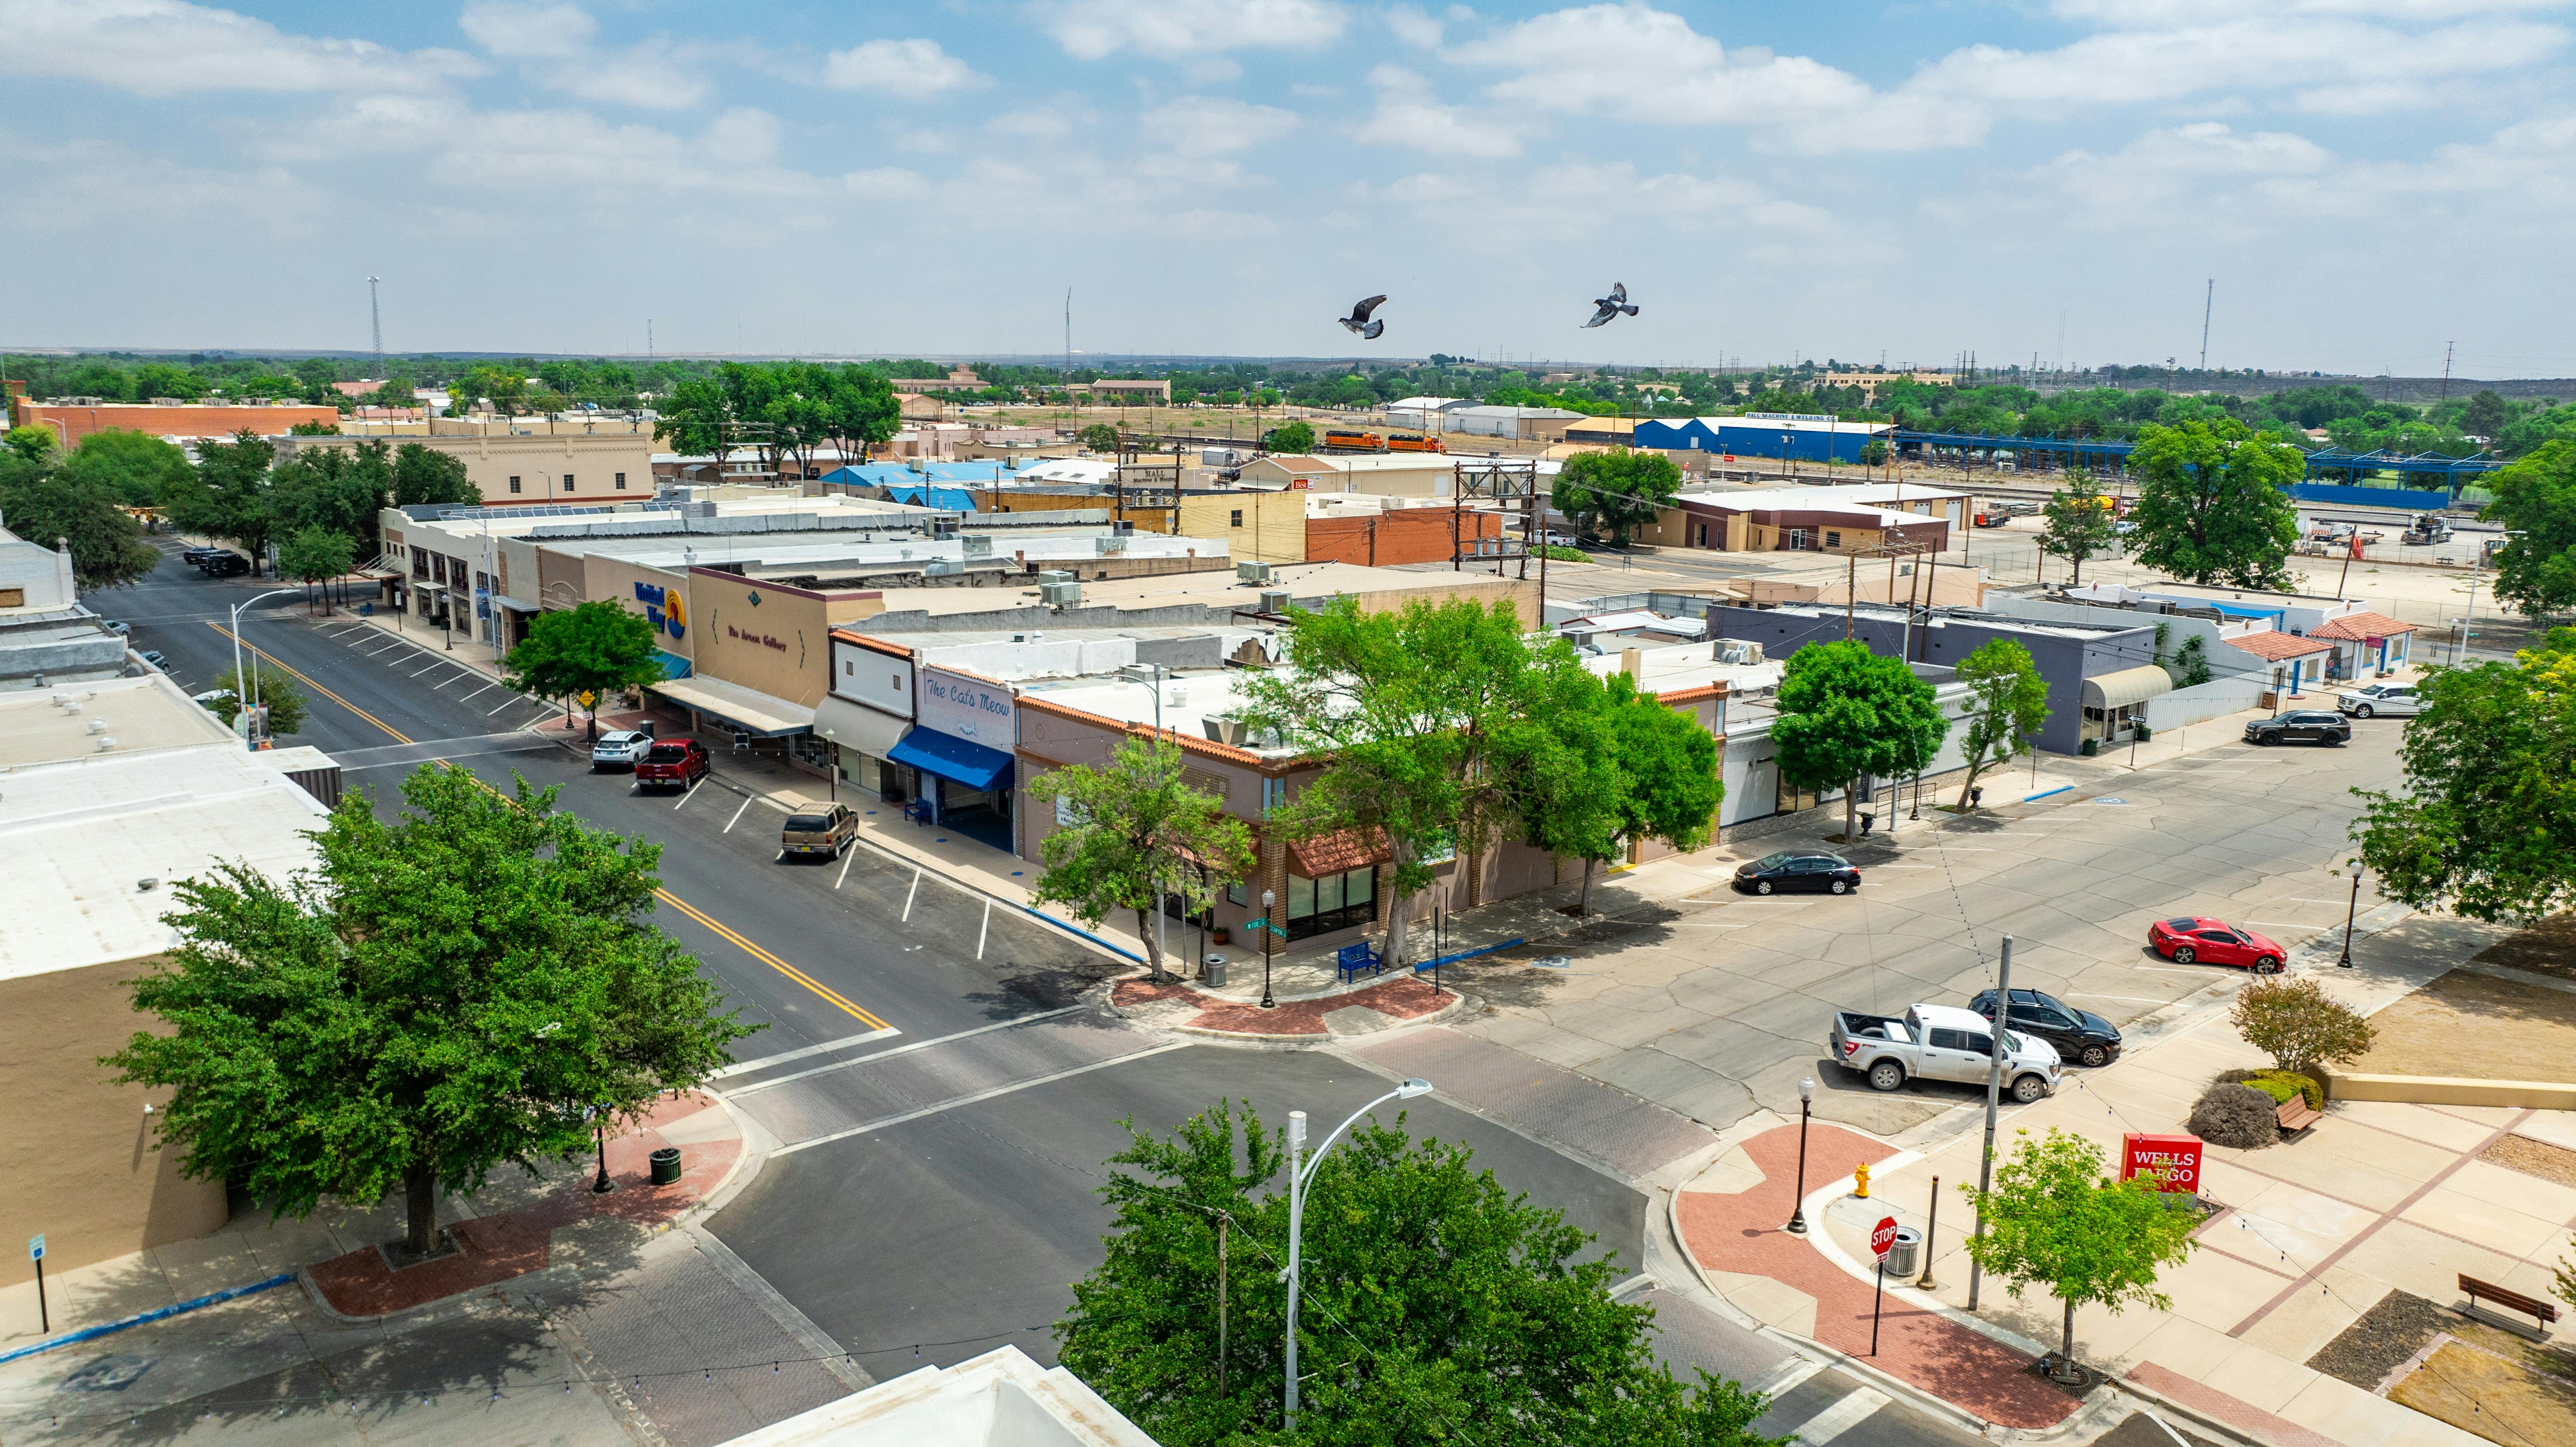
(666, 1166)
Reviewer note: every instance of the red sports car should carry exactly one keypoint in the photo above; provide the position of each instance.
(2195, 937)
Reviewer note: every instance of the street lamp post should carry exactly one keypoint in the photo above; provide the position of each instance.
(249, 683)
(1798, 1203)
(602, 1186)
(1297, 1178)
(1269, 927)
(2351, 912)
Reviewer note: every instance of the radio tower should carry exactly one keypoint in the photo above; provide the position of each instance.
(376, 325)
(2207, 299)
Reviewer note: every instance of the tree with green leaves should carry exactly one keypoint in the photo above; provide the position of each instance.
(2054, 1222)
(1098, 437)
(2214, 503)
(1433, 719)
(228, 498)
(1615, 492)
(2077, 523)
(2299, 1025)
(1641, 769)
(1289, 437)
(2485, 415)
(33, 443)
(585, 650)
(337, 489)
(2487, 821)
(1846, 714)
(135, 469)
(1433, 1307)
(316, 555)
(859, 411)
(2536, 502)
(698, 419)
(49, 503)
(2007, 704)
(1133, 834)
(422, 474)
(271, 688)
(444, 995)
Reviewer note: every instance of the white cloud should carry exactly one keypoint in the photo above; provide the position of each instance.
(89, 183)
(651, 74)
(1173, 29)
(521, 30)
(1412, 27)
(1409, 115)
(906, 69)
(165, 47)
(1214, 126)
(553, 41)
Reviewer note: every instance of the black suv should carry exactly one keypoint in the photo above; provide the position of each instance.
(2306, 726)
(233, 565)
(2079, 1035)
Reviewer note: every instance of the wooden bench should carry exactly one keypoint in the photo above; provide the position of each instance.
(2295, 1116)
(2538, 1310)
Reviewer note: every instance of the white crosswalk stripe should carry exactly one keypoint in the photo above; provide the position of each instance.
(1841, 1417)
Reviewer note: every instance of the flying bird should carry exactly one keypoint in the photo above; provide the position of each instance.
(1359, 322)
(1611, 305)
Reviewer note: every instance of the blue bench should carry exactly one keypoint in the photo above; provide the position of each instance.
(1349, 960)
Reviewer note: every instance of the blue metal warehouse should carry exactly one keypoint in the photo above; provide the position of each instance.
(1778, 436)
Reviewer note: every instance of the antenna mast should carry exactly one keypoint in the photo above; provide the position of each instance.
(376, 325)
(2207, 299)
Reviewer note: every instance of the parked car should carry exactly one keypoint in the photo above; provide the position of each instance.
(2377, 698)
(1784, 872)
(826, 831)
(622, 748)
(224, 565)
(199, 555)
(2303, 726)
(2188, 938)
(121, 630)
(673, 761)
(1940, 1042)
(153, 657)
(2079, 1035)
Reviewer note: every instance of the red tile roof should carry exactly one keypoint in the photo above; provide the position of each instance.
(1333, 853)
(2362, 625)
(2272, 646)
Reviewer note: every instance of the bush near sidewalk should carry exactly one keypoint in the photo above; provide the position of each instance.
(2281, 1085)
(2299, 1025)
(2237, 1116)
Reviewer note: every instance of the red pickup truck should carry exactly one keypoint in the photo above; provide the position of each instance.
(673, 761)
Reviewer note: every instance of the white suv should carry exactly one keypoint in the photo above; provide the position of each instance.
(620, 749)
(2392, 698)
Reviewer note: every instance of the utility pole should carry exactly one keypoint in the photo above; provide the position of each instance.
(376, 325)
(2447, 348)
(1994, 1089)
(2207, 300)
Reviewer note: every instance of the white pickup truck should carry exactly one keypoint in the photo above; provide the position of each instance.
(1940, 1042)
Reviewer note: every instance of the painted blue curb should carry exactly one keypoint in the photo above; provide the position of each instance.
(1468, 954)
(141, 1318)
(1075, 929)
(2044, 793)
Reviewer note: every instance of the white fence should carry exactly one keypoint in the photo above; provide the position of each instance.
(2232, 693)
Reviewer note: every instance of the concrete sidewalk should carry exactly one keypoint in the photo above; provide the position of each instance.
(2311, 1234)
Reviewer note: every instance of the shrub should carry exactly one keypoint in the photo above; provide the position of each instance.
(2237, 1115)
(2298, 1024)
(2283, 1086)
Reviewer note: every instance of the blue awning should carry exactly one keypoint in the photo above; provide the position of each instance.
(673, 665)
(954, 759)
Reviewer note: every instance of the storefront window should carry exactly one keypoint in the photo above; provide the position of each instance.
(1336, 901)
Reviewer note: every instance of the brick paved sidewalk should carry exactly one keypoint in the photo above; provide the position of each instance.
(519, 1239)
(1740, 1233)
(1178, 1005)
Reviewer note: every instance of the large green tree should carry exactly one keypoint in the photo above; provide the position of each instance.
(316, 555)
(228, 498)
(446, 994)
(134, 469)
(2214, 503)
(1098, 437)
(2487, 821)
(2076, 523)
(1133, 834)
(1846, 714)
(423, 475)
(2007, 704)
(1639, 769)
(47, 503)
(338, 489)
(2536, 502)
(1434, 1306)
(588, 649)
(1431, 718)
(1615, 492)
(270, 688)
(2054, 1222)
(1289, 437)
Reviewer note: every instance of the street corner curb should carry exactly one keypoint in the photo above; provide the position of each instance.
(746, 1166)
(2201, 1421)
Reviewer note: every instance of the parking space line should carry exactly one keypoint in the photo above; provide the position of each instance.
(506, 704)
(478, 693)
(687, 792)
(875, 1055)
(985, 931)
(737, 814)
(846, 860)
(908, 896)
(977, 1098)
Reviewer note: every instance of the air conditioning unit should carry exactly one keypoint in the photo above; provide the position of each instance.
(1251, 572)
(1060, 595)
(942, 568)
(1111, 547)
(981, 547)
(1739, 653)
(1054, 575)
(1232, 731)
(1276, 600)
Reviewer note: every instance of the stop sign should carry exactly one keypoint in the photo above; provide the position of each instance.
(1883, 1235)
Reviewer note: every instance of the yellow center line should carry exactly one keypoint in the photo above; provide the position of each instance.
(292, 672)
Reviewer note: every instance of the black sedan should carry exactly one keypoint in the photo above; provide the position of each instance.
(2304, 726)
(2079, 1035)
(1783, 872)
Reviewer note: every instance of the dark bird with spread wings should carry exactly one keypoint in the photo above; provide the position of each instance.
(1611, 305)
(1359, 322)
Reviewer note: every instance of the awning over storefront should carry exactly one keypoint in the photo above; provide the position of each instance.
(857, 726)
(1334, 853)
(673, 665)
(2128, 686)
(744, 708)
(957, 760)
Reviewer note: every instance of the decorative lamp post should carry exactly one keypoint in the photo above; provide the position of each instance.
(1297, 1180)
(1798, 1203)
(1268, 933)
(2351, 911)
(599, 1120)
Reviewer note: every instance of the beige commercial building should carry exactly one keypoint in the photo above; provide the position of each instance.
(579, 462)
(1870, 382)
(111, 792)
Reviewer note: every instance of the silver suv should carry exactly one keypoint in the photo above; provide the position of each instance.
(2389, 698)
(621, 749)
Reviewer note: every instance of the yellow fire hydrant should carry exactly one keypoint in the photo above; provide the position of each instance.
(1860, 1180)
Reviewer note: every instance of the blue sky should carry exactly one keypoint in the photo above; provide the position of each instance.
(2367, 180)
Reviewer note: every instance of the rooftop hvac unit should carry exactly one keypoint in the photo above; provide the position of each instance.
(1737, 652)
(1251, 572)
(1113, 545)
(1060, 595)
(1232, 731)
(978, 547)
(1054, 575)
(1275, 600)
(942, 568)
